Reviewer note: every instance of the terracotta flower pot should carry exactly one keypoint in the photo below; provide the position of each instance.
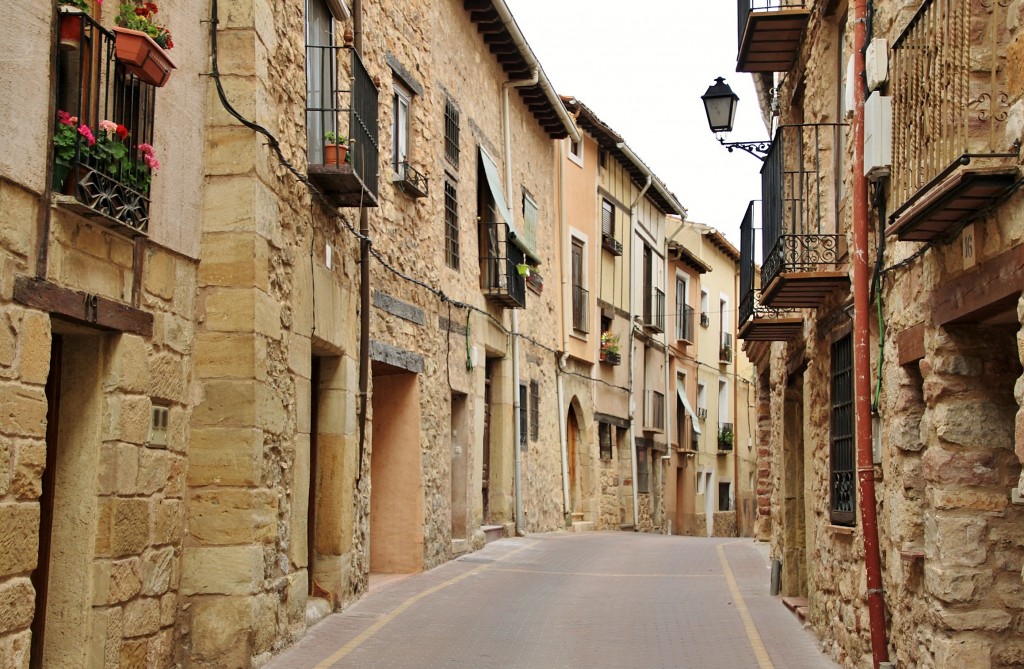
(334, 154)
(70, 30)
(143, 57)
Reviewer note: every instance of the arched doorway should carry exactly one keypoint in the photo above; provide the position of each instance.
(572, 437)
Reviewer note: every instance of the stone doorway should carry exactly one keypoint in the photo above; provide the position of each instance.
(572, 437)
(459, 479)
(794, 528)
(68, 503)
(396, 479)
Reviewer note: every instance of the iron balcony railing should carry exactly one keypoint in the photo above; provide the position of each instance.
(744, 8)
(654, 313)
(502, 267)
(748, 241)
(411, 180)
(104, 128)
(654, 411)
(950, 96)
(580, 309)
(345, 112)
(725, 437)
(800, 205)
(725, 351)
(684, 323)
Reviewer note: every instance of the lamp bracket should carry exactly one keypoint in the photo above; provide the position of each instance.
(758, 149)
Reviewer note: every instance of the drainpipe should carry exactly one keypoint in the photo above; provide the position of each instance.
(517, 406)
(632, 320)
(563, 359)
(667, 459)
(862, 356)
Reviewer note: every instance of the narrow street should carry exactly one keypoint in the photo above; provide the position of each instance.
(589, 600)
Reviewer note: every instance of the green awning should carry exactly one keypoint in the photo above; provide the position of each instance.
(501, 204)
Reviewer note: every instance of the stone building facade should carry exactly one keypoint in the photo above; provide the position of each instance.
(946, 227)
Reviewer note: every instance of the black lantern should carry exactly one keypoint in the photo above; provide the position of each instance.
(720, 106)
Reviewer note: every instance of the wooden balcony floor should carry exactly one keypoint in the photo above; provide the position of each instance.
(771, 329)
(341, 185)
(799, 290)
(953, 200)
(771, 40)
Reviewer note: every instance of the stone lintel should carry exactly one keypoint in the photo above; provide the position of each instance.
(611, 420)
(396, 357)
(988, 289)
(396, 307)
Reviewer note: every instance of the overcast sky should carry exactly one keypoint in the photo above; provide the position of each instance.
(642, 67)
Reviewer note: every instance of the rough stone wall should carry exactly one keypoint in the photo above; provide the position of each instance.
(724, 524)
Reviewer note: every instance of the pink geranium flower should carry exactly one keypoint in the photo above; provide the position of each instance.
(148, 154)
(84, 131)
(65, 118)
(108, 126)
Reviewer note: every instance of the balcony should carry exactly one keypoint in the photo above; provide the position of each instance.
(684, 324)
(106, 176)
(769, 34)
(705, 320)
(757, 322)
(410, 181)
(702, 413)
(952, 152)
(654, 311)
(580, 309)
(803, 247)
(350, 182)
(503, 268)
(725, 350)
(725, 437)
(654, 411)
(612, 245)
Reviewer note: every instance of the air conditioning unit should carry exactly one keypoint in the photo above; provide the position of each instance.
(876, 63)
(877, 136)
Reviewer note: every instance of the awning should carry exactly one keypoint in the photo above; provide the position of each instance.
(686, 405)
(501, 204)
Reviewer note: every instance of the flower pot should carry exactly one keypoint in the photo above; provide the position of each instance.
(334, 154)
(70, 30)
(60, 175)
(143, 57)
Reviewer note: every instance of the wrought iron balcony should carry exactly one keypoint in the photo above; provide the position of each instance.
(769, 34)
(725, 437)
(684, 324)
(757, 322)
(654, 311)
(352, 182)
(612, 245)
(803, 247)
(101, 173)
(952, 153)
(503, 267)
(411, 181)
(654, 411)
(580, 309)
(702, 413)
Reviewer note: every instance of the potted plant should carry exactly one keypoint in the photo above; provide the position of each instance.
(335, 148)
(111, 156)
(610, 347)
(725, 437)
(71, 22)
(142, 42)
(68, 145)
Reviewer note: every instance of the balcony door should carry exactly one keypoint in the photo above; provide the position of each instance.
(321, 75)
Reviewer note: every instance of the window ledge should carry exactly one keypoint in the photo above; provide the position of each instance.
(841, 530)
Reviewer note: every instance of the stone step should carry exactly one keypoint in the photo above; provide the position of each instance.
(460, 547)
(493, 532)
(798, 605)
(316, 610)
(583, 526)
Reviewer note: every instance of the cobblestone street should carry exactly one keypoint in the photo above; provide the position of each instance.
(572, 600)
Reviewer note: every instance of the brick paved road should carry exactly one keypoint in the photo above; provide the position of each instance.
(573, 601)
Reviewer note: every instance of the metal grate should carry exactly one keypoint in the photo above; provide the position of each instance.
(842, 458)
(451, 224)
(451, 133)
(607, 219)
(534, 410)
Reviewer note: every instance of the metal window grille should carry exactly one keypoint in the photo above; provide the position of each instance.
(642, 473)
(523, 422)
(842, 457)
(451, 224)
(451, 133)
(534, 410)
(607, 219)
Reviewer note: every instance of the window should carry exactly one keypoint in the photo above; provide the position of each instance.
(534, 410)
(604, 434)
(580, 295)
(607, 219)
(684, 312)
(642, 471)
(523, 422)
(842, 457)
(400, 128)
(451, 133)
(321, 115)
(530, 214)
(451, 224)
(705, 318)
(575, 151)
(725, 496)
(648, 283)
(702, 401)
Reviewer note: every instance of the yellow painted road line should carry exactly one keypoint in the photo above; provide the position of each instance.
(512, 570)
(760, 652)
(398, 610)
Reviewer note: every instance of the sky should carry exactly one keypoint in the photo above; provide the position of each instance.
(642, 71)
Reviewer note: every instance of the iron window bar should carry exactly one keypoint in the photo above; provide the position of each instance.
(654, 410)
(842, 460)
(654, 319)
(411, 181)
(451, 133)
(502, 267)
(580, 311)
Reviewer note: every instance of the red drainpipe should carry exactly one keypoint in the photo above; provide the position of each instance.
(861, 354)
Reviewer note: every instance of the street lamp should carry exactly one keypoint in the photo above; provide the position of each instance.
(720, 106)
